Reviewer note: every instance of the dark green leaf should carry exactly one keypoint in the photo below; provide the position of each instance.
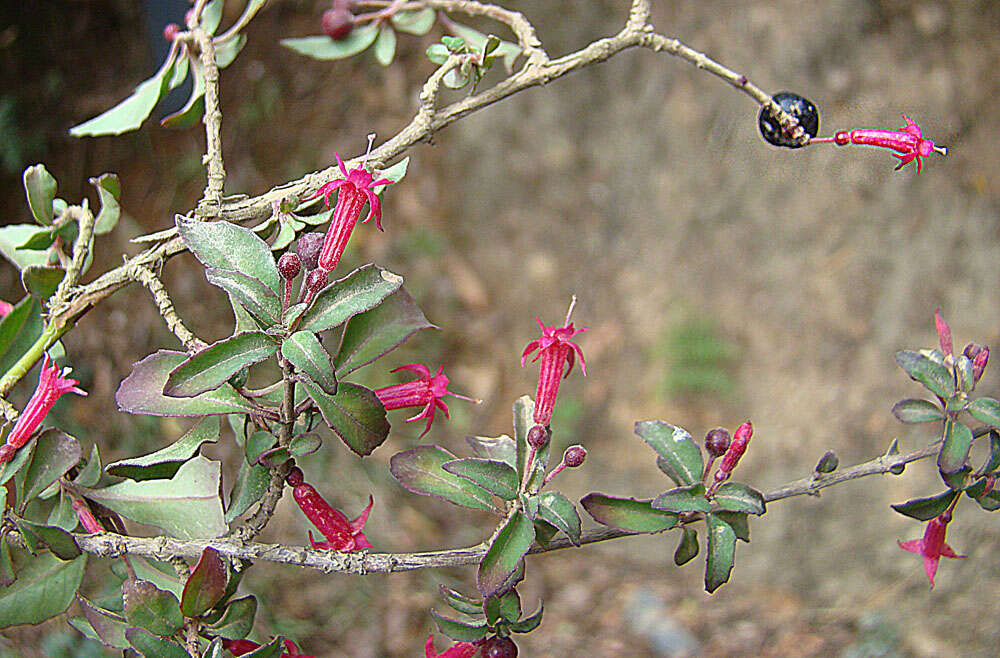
(142, 391)
(925, 509)
(544, 532)
(250, 293)
(917, 411)
(360, 291)
(304, 351)
(385, 45)
(992, 463)
(44, 588)
(460, 602)
(683, 499)
(420, 471)
(500, 448)
(193, 110)
(354, 414)
(674, 444)
(257, 444)
(213, 366)
(304, 444)
(90, 474)
(108, 626)
(163, 463)
(41, 281)
(16, 465)
(206, 585)
(238, 620)
(986, 410)
(325, 48)
(529, 623)
(964, 374)
(721, 539)
(161, 574)
(687, 549)
(251, 483)
(226, 246)
(131, 112)
(460, 631)
(15, 235)
(510, 606)
(627, 513)
(7, 575)
(736, 497)
(505, 552)
(63, 515)
(418, 21)
(920, 367)
(56, 539)
(957, 480)
(108, 191)
(40, 188)
(529, 504)
(150, 607)
(557, 510)
(55, 453)
(477, 40)
(371, 334)
(496, 477)
(272, 649)
(739, 523)
(152, 646)
(989, 501)
(955, 450)
(19, 330)
(186, 506)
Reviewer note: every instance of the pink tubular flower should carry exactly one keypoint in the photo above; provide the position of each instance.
(5, 308)
(426, 391)
(932, 546)
(87, 519)
(241, 647)
(457, 650)
(555, 349)
(355, 187)
(341, 534)
(908, 141)
(52, 383)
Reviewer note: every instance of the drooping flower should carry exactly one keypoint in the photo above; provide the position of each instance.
(52, 384)
(425, 391)
(87, 518)
(555, 349)
(908, 141)
(457, 650)
(341, 534)
(241, 647)
(932, 547)
(356, 187)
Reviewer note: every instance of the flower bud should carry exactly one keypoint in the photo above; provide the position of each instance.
(295, 477)
(316, 281)
(289, 265)
(828, 463)
(499, 647)
(717, 442)
(308, 248)
(538, 436)
(170, 31)
(736, 449)
(338, 23)
(979, 363)
(574, 456)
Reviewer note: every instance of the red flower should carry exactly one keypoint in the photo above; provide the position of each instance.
(457, 650)
(341, 534)
(426, 391)
(932, 546)
(555, 350)
(52, 384)
(355, 187)
(240, 647)
(5, 308)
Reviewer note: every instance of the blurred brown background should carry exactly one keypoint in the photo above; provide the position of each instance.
(721, 278)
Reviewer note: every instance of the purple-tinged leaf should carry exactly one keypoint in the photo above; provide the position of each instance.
(206, 585)
(249, 293)
(955, 449)
(504, 555)
(148, 644)
(420, 471)
(304, 351)
(360, 291)
(627, 514)
(109, 627)
(721, 539)
(986, 410)
(226, 246)
(354, 414)
(150, 607)
(556, 509)
(213, 366)
(373, 333)
(163, 463)
(57, 540)
(916, 411)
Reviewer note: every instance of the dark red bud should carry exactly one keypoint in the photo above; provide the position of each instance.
(7, 452)
(538, 436)
(170, 31)
(289, 265)
(349, 5)
(717, 442)
(741, 438)
(295, 477)
(971, 350)
(338, 23)
(499, 647)
(308, 248)
(979, 363)
(317, 280)
(574, 456)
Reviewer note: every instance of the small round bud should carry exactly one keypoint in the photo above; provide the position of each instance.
(170, 31)
(828, 463)
(972, 350)
(802, 109)
(308, 248)
(7, 452)
(289, 265)
(717, 442)
(338, 23)
(499, 647)
(295, 477)
(574, 456)
(538, 436)
(317, 280)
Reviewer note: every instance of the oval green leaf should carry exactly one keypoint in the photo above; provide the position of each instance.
(496, 477)
(721, 540)
(151, 608)
(737, 497)
(985, 410)
(54, 454)
(956, 446)
(354, 414)
(304, 351)
(420, 471)
(213, 366)
(40, 188)
(683, 499)
(373, 333)
(556, 509)
(917, 411)
(44, 588)
(627, 514)
(250, 294)
(385, 45)
(676, 447)
(925, 509)
(928, 372)
(359, 291)
(418, 22)
(509, 546)
(226, 246)
(325, 48)
(237, 621)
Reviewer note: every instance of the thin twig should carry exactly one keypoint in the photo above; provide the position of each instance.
(190, 625)
(211, 202)
(166, 308)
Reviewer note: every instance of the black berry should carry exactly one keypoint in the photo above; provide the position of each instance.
(574, 456)
(338, 23)
(308, 248)
(499, 647)
(289, 265)
(538, 436)
(801, 108)
(717, 442)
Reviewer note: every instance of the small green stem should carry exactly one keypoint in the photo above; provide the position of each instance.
(23, 365)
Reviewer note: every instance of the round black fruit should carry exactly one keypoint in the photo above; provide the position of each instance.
(799, 107)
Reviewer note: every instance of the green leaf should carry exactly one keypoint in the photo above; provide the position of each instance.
(251, 294)
(225, 246)
(272, 649)
(420, 471)
(108, 191)
(142, 391)
(354, 414)
(627, 513)
(504, 554)
(992, 462)
(687, 549)
(40, 188)
(737, 497)
(500, 448)
(44, 588)
(57, 540)
(152, 646)
(90, 474)
(529, 623)
(544, 532)
(917, 411)
(213, 366)
(956, 446)
(226, 53)
(477, 40)
(505, 607)
(150, 607)
(360, 291)
(163, 463)
(304, 444)
(206, 585)
(418, 22)
(683, 499)
(679, 451)
(7, 575)
(461, 602)
(989, 501)
(160, 574)
(957, 480)
(460, 631)
(186, 506)
(985, 410)
(304, 351)
(108, 626)
(529, 504)
(63, 515)
(15, 465)
(373, 333)
(964, 374)
(920, 367)
(251, 483)
(211, 16)
(721, 540)
(193, 110)
(556, 509)
(41, 281)
(19, 330)
(237, 622)
(496, 477)
(325, 48)
(131, 112)
(257, 444)
(15, 235)
(54, 454)
(925, 509)
(385, 45)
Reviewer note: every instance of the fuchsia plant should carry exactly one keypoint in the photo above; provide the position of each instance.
(425, 391)
(556, 351)
(932, 547)
(341, 534)
(908, 141)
